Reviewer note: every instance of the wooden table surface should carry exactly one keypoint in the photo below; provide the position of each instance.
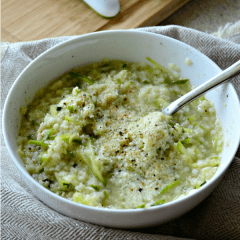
(27, 20)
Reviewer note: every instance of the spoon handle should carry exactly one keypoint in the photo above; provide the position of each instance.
(198, 91)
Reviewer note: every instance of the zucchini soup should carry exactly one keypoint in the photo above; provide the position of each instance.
(97, 136)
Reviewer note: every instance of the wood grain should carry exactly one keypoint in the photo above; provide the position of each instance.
(27, 20)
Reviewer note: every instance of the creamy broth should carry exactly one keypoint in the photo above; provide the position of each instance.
(96, 136)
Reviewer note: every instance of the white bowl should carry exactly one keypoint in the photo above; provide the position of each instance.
(129, 45)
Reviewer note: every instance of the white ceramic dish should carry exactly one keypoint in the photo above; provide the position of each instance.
(134, 46)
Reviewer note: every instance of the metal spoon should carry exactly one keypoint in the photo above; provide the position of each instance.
(198, 91)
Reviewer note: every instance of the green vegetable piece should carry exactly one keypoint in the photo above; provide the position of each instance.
(68, 119)
(168, 72)
(80, 198)
(34, 123)
(160, 67)
(81, 77)
(190, 119)
(125, 66)
(186, 141)
(64, 185)
(70, 154)
(51, 137)
(77, 90)
(105, 194)
(97, 172)
(167, 80)
(184, 151)
(48, 135)
(97, 188)
(106, 64)
(181, 81)
(65, 137)
(67, 186)
(142, 206)
(187, 130)
(145, 82)
(89, 159)
(38, 143)
(43, 160)
(170, 186)
(215, 162)
(70, 109)
(92, 139)
(203, 183)
(78, 141)
(118, 81)
(49, 181)
(159, 202)
(71, 120)
(178, 82)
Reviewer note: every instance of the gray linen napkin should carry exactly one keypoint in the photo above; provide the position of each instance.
(25, 217)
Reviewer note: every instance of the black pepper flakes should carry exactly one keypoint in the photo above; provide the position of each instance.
(140, 189)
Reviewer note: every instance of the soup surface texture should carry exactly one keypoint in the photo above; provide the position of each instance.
(96, 136)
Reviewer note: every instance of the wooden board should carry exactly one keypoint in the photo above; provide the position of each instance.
(26, 20)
